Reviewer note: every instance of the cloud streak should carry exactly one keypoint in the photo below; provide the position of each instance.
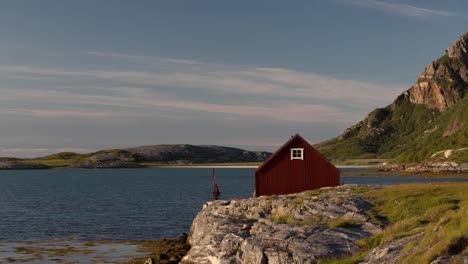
(274, 94)
(402, 9)
(147, 104)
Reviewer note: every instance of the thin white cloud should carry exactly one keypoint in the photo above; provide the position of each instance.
(402, 9)
(245, 80)
(275, 94)
(147, 104)
(140, 57)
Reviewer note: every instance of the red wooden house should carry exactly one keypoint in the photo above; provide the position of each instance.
(295, 167)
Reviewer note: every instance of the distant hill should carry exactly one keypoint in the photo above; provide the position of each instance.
(195, 154)
(154, 155)
(422, 123)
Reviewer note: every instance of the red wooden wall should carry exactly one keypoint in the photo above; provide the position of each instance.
(281, 175)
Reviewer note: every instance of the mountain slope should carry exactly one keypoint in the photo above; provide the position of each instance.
(429, 117)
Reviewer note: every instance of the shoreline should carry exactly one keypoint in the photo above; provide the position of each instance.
(361, 170)
(191, 166)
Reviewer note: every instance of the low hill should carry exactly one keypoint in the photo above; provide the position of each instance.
(429, 118)
(146, 156)
(196, 154)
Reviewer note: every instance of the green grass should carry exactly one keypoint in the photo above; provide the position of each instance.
(63, 156)
(344, 223)
(461, 156)
(53, 163)
(354, 259)
(439, 210)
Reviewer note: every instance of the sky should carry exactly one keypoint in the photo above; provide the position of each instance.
(89, 75)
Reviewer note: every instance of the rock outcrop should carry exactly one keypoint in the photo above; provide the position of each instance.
(443, 82)
(391, 252)
(437, 167)
(460, 48)
(299, 228)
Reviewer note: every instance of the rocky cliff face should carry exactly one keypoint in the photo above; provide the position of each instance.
(460, 48)
(299, 228)
(443, 82)
(422, 108)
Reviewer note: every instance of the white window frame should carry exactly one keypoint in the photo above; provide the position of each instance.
(301, 152)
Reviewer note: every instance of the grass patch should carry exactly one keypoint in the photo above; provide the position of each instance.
(439, 210)
(344, 223)
(54, 163)
(354, 259)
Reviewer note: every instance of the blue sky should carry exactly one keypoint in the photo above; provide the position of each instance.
(87, 75)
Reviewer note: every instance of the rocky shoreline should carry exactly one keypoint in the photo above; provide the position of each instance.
(311, 227)
(429, 167)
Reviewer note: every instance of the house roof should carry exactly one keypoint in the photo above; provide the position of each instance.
(279, 151)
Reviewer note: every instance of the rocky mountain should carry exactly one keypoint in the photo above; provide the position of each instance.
(429, 117)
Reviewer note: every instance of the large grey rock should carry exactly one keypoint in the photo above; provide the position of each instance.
(279, 229)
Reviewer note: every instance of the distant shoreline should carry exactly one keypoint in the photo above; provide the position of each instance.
(361, 170)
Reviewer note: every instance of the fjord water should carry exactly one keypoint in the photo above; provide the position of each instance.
(124, 203)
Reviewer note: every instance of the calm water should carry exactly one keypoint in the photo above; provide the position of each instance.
(121, 204)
